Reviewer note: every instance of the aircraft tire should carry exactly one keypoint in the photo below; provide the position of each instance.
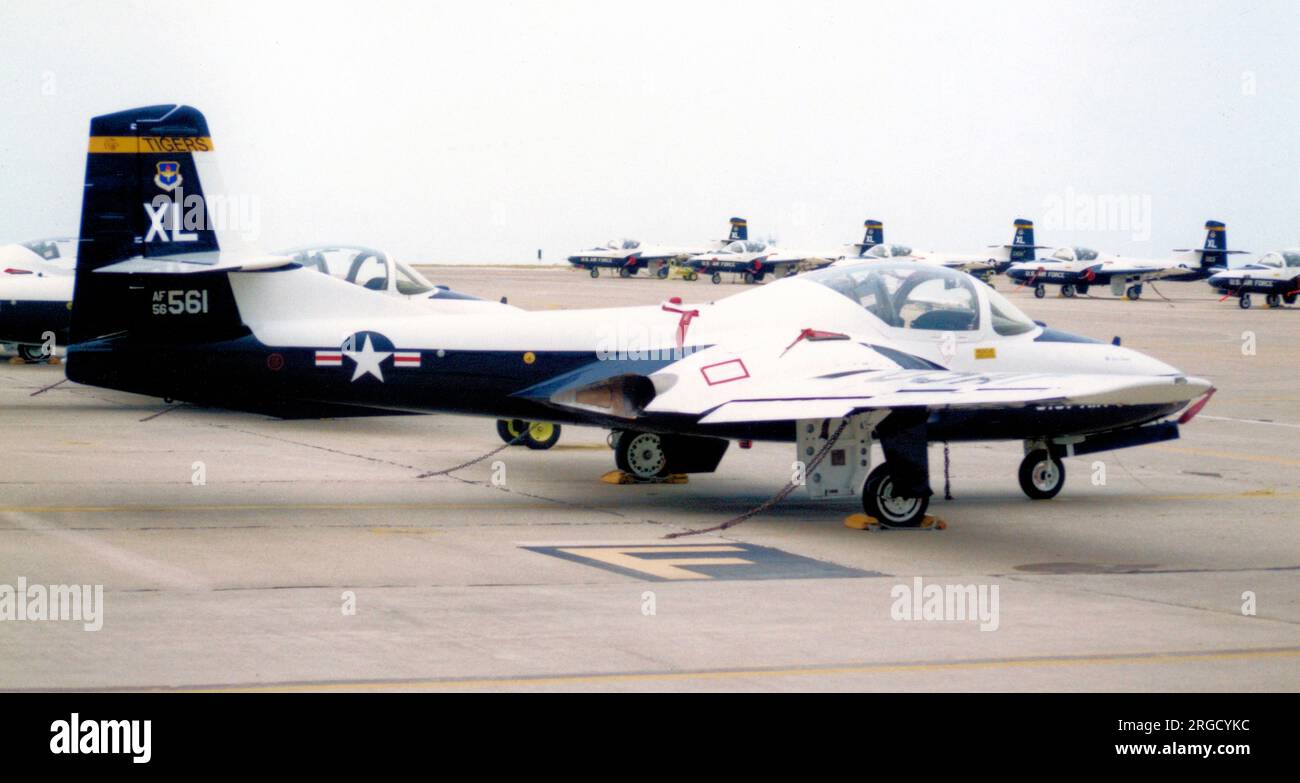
(509, 429)
(542, 435)
(716, 278)
(624, 272)
(1244, 302)
(1067, 291)
(878, 501)
(662, 272)
(1274, 300)
(641, 454)
(31, 353)
(1041, 475)
(1133, 293)
(1040, 291)
(595, 271)
(748, 278)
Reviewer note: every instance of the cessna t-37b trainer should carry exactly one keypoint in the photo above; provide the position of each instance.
(626, 257)
(903, 353)
(1076, 269)
(983, 264)
(753, 259)
(36, 294)
(1276, 276)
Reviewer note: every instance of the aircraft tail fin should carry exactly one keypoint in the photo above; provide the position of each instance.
(1214, 253)
(873, 234)
(739, 230)
(149, 195)
(1022, 242)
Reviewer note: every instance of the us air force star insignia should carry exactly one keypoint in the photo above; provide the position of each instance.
(368, 361)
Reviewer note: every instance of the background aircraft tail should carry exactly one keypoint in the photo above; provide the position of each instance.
(874, 234)
(1022, 242)
(149, 176)
(739, 230)
(1021, 249)
(1214, 253)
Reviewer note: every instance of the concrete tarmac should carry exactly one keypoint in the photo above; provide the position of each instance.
(1180, 572)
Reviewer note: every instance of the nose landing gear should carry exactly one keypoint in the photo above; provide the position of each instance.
(1041, 475)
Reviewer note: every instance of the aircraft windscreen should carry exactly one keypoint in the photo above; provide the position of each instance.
(51, 249)
(1006, 318)
(1085, 254)
(879, 251)
(900, 250)
(1292, 259)
(362, 266)
(1272, 259)
(910, 296)
(411, 282)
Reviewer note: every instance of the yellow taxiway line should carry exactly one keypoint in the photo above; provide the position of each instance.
(810, 671)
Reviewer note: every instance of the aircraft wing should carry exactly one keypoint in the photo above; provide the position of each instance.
(839, 378)
(196, 263)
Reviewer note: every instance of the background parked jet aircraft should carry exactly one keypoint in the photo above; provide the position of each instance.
(36, 295)
(982, 263)
(755, 260)
(629, 256)
(1276, 276)
(1077, 269)
(904, 353)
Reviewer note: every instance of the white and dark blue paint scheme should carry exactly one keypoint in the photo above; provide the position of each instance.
(1276, 275)
(627, 257)
(1076, 269)
(982, 263)
(754, 260)
(903, 353)
(36, 295)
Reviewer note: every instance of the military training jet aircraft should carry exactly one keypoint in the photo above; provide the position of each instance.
(1276, 276)
(629, 256)
(1076, 269)
(983, 264)
(36, 295)
(831, 360)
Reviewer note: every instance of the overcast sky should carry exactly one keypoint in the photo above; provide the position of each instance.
(464, 132)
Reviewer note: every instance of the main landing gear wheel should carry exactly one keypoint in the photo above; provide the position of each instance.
(31, 353)
(1244, 302)
(1040, 291)
(879, 501)
(748, 278)
(1133, 293)
(595, 271)
(716, 278)
(640, 454)
(539, 435)
(662, 273)
(1067, 291)
(1041, 475)
(624, 272)
(1273, 300)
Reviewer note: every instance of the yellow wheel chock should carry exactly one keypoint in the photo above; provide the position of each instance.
(864, 522)
(623, 477)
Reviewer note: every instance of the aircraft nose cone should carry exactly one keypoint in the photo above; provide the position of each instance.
(1142, 364)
